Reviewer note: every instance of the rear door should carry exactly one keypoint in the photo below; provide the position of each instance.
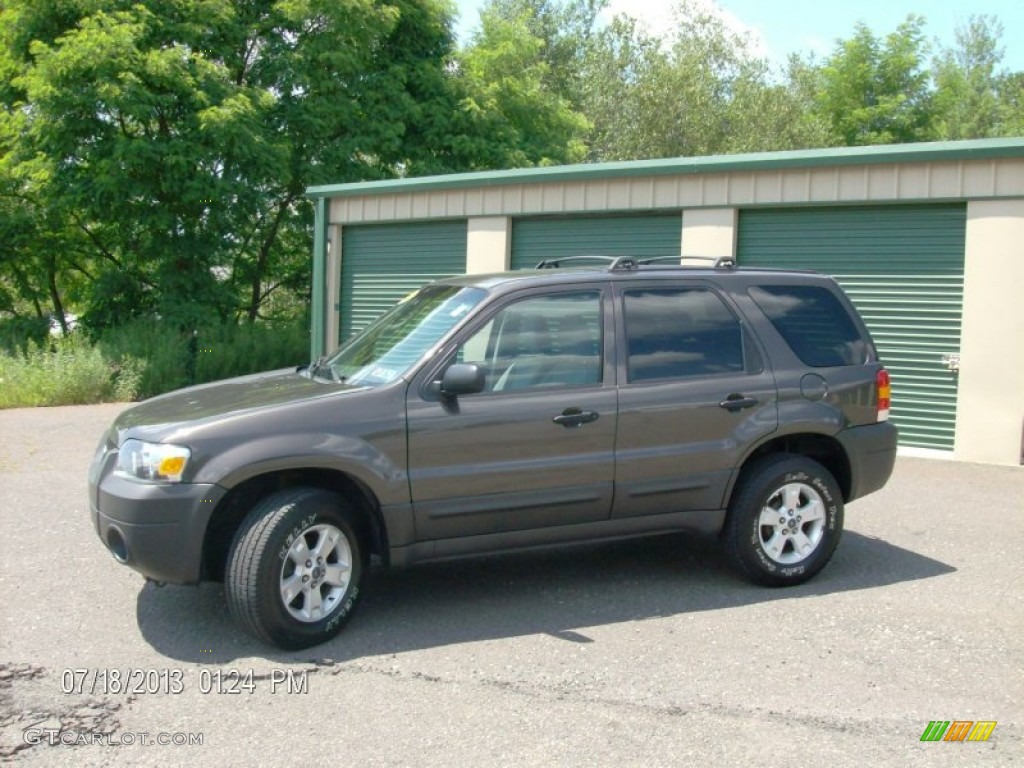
(695, 394)
(536, 448)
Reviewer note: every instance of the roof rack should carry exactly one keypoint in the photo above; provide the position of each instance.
(631, 262)
(613, 262)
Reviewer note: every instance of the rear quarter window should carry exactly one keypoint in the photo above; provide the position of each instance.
(814, 323)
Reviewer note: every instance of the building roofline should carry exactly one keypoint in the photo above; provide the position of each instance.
(945, 151)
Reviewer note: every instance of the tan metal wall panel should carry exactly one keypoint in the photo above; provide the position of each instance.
(907, 182)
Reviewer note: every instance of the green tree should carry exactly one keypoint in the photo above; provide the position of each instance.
(699, 89)
(521, 118)
(177, 138)
(43, 254)
(1010, 88)
(968, 103)
(874, 91)
(763, 116)
(565, 28)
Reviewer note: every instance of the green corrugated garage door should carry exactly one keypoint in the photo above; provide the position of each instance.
(381, 263)
(534, 240)
(903, 266)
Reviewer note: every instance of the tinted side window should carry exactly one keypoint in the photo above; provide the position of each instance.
(813, 322)
(544, 341)
(680, 332)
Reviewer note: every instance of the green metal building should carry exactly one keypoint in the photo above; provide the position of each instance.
(928, 240)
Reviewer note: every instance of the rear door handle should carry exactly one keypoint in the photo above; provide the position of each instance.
(574, 417)
(736, 402)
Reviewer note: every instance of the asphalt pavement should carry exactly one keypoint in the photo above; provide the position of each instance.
(640, 653)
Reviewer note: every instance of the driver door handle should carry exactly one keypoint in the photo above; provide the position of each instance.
(574, 417)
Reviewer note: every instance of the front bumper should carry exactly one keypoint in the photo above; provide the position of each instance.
(157, 529)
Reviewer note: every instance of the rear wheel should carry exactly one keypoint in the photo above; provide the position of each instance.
(784, 521)
(295, 568)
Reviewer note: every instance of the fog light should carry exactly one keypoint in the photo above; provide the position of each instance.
(116, 545)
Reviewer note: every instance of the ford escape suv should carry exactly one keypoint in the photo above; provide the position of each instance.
(488, 413)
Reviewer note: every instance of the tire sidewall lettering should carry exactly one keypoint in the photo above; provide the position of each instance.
(294, 534)
(342, 612)
(762, 479)
(260, 553)
(823, 490)
(832, 523)
(755, 544)
(819, 483)
(329, 624)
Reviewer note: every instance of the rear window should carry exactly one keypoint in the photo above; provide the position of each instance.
(814, 324)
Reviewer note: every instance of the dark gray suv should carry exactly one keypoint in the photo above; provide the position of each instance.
(499, 412)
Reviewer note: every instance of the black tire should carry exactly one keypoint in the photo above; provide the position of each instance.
(262, 564)
(767, 550)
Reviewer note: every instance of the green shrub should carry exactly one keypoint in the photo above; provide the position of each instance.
(226, 351)
(173, 359)
(128, 374)
(164, 353)
(65, 371)
(141, 360)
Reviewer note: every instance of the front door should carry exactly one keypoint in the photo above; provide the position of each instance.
(535, 449)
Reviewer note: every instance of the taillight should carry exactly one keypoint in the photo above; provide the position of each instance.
(884, 394)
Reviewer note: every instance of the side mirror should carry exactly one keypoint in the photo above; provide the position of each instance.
(462, 379)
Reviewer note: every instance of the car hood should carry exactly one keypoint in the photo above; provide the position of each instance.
(197, 406)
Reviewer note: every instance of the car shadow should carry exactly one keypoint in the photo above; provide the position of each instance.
(554, 592)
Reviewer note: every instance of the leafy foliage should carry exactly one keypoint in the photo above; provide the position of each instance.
(876, 91)
(176, 139)
(512, 97)
(970, 100)
(68, 373)
(174, 360)
(696, 91)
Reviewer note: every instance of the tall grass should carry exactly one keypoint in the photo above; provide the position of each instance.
(66, 371)
(141, 360)
(174, 360)
(235, 350)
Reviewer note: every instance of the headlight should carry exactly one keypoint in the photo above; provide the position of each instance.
(153, 461)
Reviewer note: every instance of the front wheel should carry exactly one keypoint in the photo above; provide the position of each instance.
(784, 521)
(295, 568)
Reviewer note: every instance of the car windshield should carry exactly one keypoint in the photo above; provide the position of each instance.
(389, 346)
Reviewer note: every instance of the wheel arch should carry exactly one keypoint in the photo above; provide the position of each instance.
(822, 448)
(240, 499)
